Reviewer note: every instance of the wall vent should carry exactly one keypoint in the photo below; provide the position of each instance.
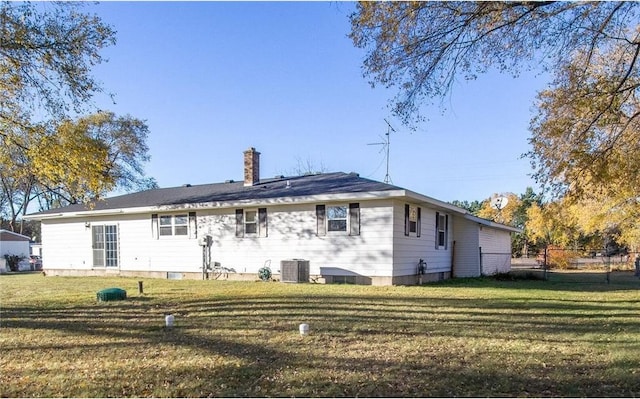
(174, 276)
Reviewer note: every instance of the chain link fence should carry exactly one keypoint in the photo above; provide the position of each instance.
(581, 265)
(492, 263)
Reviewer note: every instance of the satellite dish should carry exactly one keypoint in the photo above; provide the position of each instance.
(499, 202)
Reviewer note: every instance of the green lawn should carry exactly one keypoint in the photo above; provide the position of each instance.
(479, 337)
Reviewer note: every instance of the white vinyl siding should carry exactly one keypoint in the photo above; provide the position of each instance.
(378, 246)
(471, 239)
(496, 250)
(20, 248)
(408, 250)
(467, 252)
(68, 245)
(293, 235)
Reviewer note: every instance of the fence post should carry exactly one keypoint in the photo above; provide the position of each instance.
(480, 251)
(545, 266)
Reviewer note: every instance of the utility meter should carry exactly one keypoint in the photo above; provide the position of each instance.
(205, 240)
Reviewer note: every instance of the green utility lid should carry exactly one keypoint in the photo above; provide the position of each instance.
(112, 294)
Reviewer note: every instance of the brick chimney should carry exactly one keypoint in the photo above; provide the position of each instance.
(251, 167)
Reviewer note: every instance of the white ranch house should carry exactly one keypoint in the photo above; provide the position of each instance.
(349, 229)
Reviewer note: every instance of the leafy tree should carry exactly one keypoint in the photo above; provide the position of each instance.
(423, 47)
(503, 215)
(586, 142)
(556, 223)
(605, 220)
(473, 207)
(521, 244)
(46, 53)
(74, 161)
(527, 199)
(586, 134)
(86, 158)
(17, 182)
(29, 228)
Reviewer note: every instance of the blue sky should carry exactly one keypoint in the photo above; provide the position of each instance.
(212, 79)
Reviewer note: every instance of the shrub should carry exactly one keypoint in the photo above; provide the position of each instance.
(558, 258)
(511, 276)
(13, 261)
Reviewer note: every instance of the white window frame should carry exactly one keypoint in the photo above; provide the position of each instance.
(329, 219)
(173, 227)
(413, 219)
(247, 222)
(442, 230)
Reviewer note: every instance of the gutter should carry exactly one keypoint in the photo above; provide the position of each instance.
(489, 223)
(437, 203)
(360, 196)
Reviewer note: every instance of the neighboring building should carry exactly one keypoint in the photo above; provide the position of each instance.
(12, 244)
(349, 229)
(36, 249)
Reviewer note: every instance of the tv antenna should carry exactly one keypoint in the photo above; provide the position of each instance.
(386, 144)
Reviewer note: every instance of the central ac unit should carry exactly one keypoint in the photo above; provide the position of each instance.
(294, 271)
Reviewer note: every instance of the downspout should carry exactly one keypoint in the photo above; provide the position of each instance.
(453, 257)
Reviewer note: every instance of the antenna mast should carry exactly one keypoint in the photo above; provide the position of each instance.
(386, 144)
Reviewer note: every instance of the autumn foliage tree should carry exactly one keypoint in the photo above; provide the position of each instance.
(46, 54)
(48, 152)
(83, 159)
(586, 134)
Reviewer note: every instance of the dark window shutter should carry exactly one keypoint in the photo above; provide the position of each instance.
(239, 223)
(193, 225)
(354, 219)
(446, 231)
(419, 226)
(320, 217)
(154, 226)
(262, 221)
(406, 220)
(437, 230)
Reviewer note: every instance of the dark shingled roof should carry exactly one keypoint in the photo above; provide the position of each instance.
(327, 183)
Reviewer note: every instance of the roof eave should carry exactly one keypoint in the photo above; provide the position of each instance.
(370, 195)
(489, 223)
(435, 203)
(13, 233)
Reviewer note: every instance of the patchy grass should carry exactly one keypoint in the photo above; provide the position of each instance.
(478, 337)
